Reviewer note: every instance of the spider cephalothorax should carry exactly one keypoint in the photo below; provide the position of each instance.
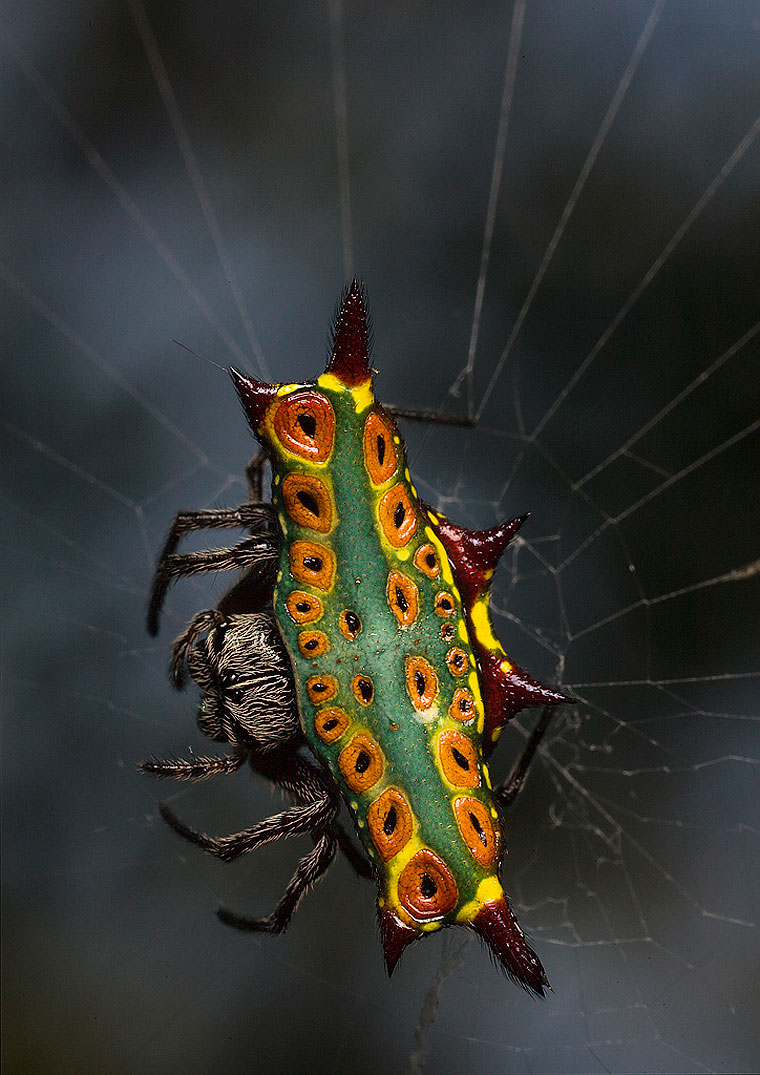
(361, 628)
(246, 682)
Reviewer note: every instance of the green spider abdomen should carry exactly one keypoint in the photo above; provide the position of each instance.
(402, 686)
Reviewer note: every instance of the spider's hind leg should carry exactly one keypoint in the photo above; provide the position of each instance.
(259, 519)
(254, 472)
(256, 552)
(507, 792)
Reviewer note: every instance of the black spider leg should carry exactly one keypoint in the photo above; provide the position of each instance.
(433, 417)
(256, 517)
(252, 552)
(308, 872)
(360, 864)
(201, 768)
(287, 770)
(298, 820)
(200, 624)
(507, 792)
(316, 816)
(198, 768)
(254, 472)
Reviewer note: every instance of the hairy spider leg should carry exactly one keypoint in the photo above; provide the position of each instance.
(285, 769)
(254, 472)
(298, 820)
(259, 519)
(316, 817)
(506, 793)
(252, 552)
(309, 870)
(198, 768)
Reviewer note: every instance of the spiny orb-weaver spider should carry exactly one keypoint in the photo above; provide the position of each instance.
(360, 628)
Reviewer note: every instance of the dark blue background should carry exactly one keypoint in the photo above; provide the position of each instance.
(633, 854)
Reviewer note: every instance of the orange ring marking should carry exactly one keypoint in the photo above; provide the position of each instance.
(477, 829)
(308, 502)
(426, 887)
(349, 623)
(313, 643)
(421, 682)
(361, 762)
(390, 823)
(312, 564)
(321, 688)
(305, 425)
(303, 607)
(330, 724)
(457, 661)
(363, 688)
(445, 605)
(462, 707)
(426, 559)
(397, 516)
(380, 457)
(458, 759)
(403, 598)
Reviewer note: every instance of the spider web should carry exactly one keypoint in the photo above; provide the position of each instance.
(554, 207)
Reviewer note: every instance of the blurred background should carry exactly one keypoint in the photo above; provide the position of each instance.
(555, 209)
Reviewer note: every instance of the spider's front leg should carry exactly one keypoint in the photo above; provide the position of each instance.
(309, 870)
(248, 698)
(317, 816)
(259, 519)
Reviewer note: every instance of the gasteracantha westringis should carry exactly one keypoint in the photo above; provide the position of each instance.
(359, 627)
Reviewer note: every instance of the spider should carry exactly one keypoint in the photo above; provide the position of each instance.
(358, 629)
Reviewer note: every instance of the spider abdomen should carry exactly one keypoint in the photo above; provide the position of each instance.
(388, 650)
(375, 645)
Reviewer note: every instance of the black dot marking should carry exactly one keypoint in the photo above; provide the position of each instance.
(398, 514)
(391, 818)
(447, 631)
(320, 688)
(478, 829)
(308, 424)
(401, 601)
(311, 644)
(365, 690)
(352, 622)
(362, 761)
(458, 660)
(460, 759)
(309, 502)
(420, 683)
(303, 606)
(313, 563)
(430, 560)
(332, 723)
(380, 448)
(445, 603)
(428, 887)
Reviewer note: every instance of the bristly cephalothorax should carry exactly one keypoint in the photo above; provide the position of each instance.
(359, 627)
